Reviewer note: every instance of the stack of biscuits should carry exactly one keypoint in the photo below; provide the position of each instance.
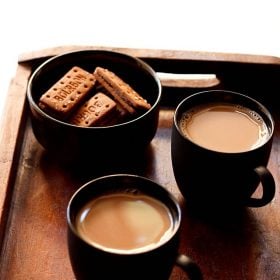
(89, 99)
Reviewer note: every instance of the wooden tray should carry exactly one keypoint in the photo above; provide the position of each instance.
(35, 189)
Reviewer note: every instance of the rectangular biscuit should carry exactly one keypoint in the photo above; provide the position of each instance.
(121, 110)
(67, 93)
(98, 110)
(122, 92)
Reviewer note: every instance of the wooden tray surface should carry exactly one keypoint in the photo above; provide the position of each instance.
(35, 188)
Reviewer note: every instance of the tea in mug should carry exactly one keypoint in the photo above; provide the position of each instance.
(224, 127)
(124, 222)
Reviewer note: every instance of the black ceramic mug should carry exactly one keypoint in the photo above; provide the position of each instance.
(211, 174)
(99, 249)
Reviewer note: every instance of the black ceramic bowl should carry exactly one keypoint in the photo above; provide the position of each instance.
(95, 143)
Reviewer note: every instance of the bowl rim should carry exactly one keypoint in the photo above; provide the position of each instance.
(137, 60)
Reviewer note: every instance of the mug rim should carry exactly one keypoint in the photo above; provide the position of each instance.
(142, 250)
(235, 93)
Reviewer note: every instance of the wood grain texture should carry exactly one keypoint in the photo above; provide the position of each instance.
(10, 137)
(35, 188)
(156, 53)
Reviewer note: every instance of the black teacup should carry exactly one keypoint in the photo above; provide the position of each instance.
(221, 143)
(125, 227)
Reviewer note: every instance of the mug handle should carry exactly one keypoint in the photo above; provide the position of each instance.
(190, 267)
(268, 186)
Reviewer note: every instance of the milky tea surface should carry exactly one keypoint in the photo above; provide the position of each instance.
(224, 127)
(124, 222)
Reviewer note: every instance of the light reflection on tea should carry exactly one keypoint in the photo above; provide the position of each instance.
(124, 222)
